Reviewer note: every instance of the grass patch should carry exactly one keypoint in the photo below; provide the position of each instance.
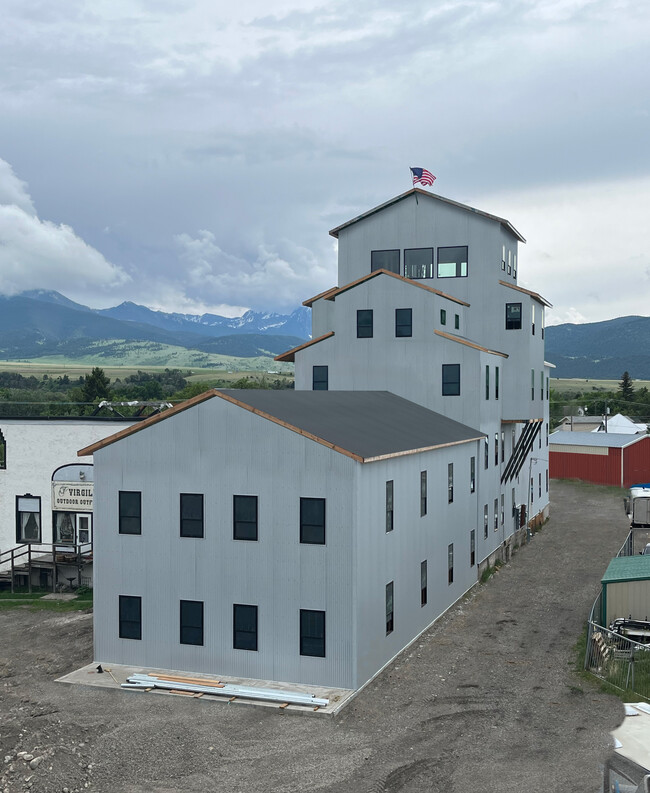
(35, 602)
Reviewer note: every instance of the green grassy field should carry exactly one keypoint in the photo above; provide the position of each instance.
(575, 384)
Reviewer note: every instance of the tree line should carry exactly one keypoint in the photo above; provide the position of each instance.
(22, 396)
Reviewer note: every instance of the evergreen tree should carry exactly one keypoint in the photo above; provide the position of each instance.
(96, 386)
(626, 388)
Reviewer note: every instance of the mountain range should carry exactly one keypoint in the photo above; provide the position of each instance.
(42, 323)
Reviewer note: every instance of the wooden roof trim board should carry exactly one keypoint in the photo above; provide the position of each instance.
(468, 343)
(339, 290)
(188, 403)
(422, 449)
(534, 295)
(312, 300)
(289, 355)
(418, 191)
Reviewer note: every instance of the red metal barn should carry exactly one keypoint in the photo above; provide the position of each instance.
(603, 458)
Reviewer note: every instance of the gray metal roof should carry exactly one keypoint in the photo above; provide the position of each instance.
(365, 424)
(605, 439)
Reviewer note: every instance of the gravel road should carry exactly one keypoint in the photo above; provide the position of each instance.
(486, 700)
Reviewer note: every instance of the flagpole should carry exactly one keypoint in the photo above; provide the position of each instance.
(413, 185)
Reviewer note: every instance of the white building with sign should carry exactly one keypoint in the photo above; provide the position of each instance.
(46, 491)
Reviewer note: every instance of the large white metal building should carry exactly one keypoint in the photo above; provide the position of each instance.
(310, 536)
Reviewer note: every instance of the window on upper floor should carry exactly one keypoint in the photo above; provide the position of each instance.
(532, 319)
(390, 623)
(452, 262)
(486, 521)
(423, 583)
(384, 260)
(509, 262)
(423, 493)
(503, 508)
(503, 257)
(547, 387)
(130, 617)
(496, 514)
(503, 446)
(389, 506)
(541, 385)
(457, 321)
(244, 627)
(451, 379)
(450, 483)
(542, 321)
(496, 448)
(486, 453)
(487, 382)
(320, 378)
(513, 316)
(514, 265)
(28, 518)
(443, 316)
(191, 515)
(312, 633)
(403, 322)
(472, 474)
(3, 452)
(496, 382)
(472, 548)
(418, 263)
(364, 323)
(130, 512)
(191, 622)
(244, 518)
(312, 521)
(532, 384)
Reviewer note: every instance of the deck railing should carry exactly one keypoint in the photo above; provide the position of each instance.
(23, 558)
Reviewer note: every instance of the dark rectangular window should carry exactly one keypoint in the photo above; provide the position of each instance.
(450, 563)
(191, 622)
(503, 446)
(486, 454)
(244, 627)
(513, 316)
(472, 548)
(451, 379)
(364, 323)
(28, 518)
(130, 512)
(403, 322)
(244, 517)
(532, 319)
(509, 262)
(443, 316)
(496, 514)
(540, 485)
(486, 521)
(503, 508)
(390, 624)
(418, 263)
(452, 262)
(496, 448)
(503, 257)
(450, 483)
(312, 521)
(541, 386)
(532, 384)
(389, 505)
(457, 321)
(423, 493)
(514, 265)
(472, 474)
(191, 514)
(487, 382)
(130, 617)
(547, 387)
(547, 480)
(3, 452)
(384, 260)
(312, 633)
(320, 378)
(423, 583)
(547, 433)
(532, 489)
(496, 382)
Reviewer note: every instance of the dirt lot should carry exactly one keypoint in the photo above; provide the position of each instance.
(485, 700)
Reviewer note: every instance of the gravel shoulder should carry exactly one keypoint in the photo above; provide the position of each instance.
(485, 700)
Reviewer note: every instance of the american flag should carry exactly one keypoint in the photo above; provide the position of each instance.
(423, 176)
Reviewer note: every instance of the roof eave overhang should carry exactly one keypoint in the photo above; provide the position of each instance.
(290, 355)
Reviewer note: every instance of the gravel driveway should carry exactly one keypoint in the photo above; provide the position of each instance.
(486, 700)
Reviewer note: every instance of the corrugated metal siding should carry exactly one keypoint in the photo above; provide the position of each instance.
(219, 449)
(596, 468)
(628, 598)
(637, 462)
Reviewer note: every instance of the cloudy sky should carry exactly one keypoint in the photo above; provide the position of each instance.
(192, 156)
